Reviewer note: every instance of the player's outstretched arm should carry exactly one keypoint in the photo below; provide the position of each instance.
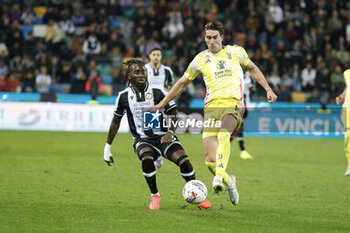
(339, 99)
(260, 78)
(113, 130)
(176, 90)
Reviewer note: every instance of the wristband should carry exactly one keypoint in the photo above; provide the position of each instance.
(108, 146)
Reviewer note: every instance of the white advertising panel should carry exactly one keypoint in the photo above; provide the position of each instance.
(58, 117)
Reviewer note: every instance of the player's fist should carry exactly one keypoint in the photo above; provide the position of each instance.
(339, 99)
(107, 155)
(271, 96)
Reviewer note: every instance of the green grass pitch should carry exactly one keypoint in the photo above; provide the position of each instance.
(58, 182)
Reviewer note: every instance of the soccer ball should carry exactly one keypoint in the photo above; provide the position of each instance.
(195, 191)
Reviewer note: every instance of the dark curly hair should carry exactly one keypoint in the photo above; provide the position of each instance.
(129, 65)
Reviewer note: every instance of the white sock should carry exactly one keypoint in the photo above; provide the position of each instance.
(155, 194)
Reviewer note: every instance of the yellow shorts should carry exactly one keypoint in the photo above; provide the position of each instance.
(345, 116)
(216, 109)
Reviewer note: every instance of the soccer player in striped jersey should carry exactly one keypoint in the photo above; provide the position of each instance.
(345, 114)
(221, 68)
(160, 76)
(149, 142)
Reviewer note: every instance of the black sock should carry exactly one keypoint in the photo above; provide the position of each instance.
(241, 143)
(149, 172)
(186, 168)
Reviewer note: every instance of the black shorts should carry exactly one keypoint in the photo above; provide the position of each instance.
(157, 146)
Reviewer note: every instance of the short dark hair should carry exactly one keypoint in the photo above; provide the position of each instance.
(154, 49)
(215, 25)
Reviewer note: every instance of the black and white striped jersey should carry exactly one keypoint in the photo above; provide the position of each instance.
(161, 77)
(135, 104)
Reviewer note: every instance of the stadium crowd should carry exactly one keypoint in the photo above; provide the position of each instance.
(76, 46)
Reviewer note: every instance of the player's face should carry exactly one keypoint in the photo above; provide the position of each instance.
(213, 40)
(137, 76)
(155, 57)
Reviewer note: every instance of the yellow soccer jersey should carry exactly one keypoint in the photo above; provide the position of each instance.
(347, 82)
(222, 72)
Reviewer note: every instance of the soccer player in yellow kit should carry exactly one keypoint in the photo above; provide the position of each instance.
(346, 116)
(221, 69)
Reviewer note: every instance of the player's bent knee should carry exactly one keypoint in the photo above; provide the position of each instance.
(148, 164)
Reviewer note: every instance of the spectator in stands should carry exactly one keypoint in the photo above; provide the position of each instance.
(42, 60)
(43, 81)
(337, 81)
(28, 17)
(274, 79)
(16, 13)
(323, 83)
(104, 56)
(3, 68)
(285, 87)
(66, 23)
(91, 46)
(295, 74)
(115, 41)
(78, 81)
(12, 83)
(176, 26)
(342, 55)
(118, 81)
(78, 18)
(2, 82)
(66, 77)
(94, 85)
(55, 71)
(16, 64)
(51, 14)
(126, 28)
(276, 12)
(308, 78)
(55, 37)
(28, 77)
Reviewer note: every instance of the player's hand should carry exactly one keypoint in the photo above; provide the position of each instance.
(339, 99)
(271, 96)
(107, 156)
(155, 108)
(167, 138)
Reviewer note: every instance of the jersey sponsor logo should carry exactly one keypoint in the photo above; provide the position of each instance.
(221, 65)
(207, 59)
(151, 120)
(149, 96)
(237, 109)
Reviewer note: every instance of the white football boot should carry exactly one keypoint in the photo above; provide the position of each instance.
(232, 190)
(347, 173)
(218, 185)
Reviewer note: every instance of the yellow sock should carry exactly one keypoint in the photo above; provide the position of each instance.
(212, 168)
(223, 152)
(347, 145)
